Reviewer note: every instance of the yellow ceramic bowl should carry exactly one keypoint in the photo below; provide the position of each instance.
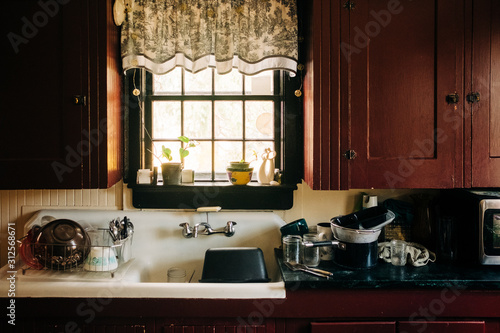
(237, 177)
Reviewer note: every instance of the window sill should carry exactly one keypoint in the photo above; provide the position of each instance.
(223, 194)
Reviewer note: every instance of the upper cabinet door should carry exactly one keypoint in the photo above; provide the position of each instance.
(42, 70)
(485, 83)
(404, 58)
(322, 93)
(61, 119)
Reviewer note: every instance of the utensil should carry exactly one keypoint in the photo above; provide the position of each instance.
(113, 231)
(295, 267)
(191, 276)
(317, 270)
(130, 227)
(119, 228)
(124, 223)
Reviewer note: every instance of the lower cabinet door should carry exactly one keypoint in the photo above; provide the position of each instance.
(68, 325)
(354, 327)
(441, 327)
(214, 325)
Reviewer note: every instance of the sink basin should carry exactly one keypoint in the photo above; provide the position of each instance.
(157, 246)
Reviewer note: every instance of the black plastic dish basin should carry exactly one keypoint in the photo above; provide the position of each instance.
(234, 265)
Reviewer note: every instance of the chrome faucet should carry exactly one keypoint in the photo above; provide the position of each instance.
(189, 232)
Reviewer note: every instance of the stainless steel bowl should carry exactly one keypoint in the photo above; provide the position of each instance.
(61, 244)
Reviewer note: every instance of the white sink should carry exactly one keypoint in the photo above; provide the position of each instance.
(158, 245)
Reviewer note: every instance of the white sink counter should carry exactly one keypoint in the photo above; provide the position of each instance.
(157, 245)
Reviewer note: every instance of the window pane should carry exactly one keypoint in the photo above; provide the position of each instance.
(260, 84)
(230, 83)
(200, 160)
(259, 122)
(228, 120)
(169, 83)
(173, 145)
(166, 120)
(226, 151)
(199, 83)
(198, 120)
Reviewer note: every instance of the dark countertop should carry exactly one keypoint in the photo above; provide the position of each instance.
(386, 276)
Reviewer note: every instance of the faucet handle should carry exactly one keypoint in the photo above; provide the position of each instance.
(229, 229)
(187, 231)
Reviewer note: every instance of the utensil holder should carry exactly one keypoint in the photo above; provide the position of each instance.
(124, 249)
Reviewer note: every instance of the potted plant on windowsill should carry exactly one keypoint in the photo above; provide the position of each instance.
(172, 171)
(240, 172)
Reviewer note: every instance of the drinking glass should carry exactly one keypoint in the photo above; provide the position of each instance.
(292, 245)
(311, 254)
(398, 252)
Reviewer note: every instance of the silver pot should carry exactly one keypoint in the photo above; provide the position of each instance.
(355, 248)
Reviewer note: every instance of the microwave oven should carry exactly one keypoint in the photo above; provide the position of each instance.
(467, 225)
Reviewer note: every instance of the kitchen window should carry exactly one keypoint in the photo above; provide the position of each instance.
(232, 117)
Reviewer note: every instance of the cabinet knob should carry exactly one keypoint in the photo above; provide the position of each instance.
(350, 154)
(452, 98)
(349, 5)
(473, 97)
(80, 100)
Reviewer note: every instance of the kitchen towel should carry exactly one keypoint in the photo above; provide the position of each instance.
(418, 255)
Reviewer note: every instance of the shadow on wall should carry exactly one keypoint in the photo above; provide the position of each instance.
(321, 206)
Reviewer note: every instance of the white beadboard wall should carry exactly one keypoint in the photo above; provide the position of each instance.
(17, 206)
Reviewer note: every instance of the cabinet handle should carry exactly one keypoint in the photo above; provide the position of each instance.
(473, 97)
(349, 5)
(80, 100)
(350, 154)
(452, 98)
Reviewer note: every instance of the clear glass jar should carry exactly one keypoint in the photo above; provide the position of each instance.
(311, 254)
(176, 274)
(292, 245)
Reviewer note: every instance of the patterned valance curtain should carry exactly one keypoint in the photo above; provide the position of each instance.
(250, 35)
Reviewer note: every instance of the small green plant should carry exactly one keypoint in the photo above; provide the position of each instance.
(183, 150)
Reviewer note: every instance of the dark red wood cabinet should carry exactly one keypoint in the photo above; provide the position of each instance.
(420, 326)
(354, 327)
(214, 325)
(482, 87)
(442, 327)
(447, 310)
(403, 64)
(121, 325)
(61, 122)
(389, 94)
(67, 325)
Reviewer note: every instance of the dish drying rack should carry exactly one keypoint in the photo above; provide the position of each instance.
(104, 256)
